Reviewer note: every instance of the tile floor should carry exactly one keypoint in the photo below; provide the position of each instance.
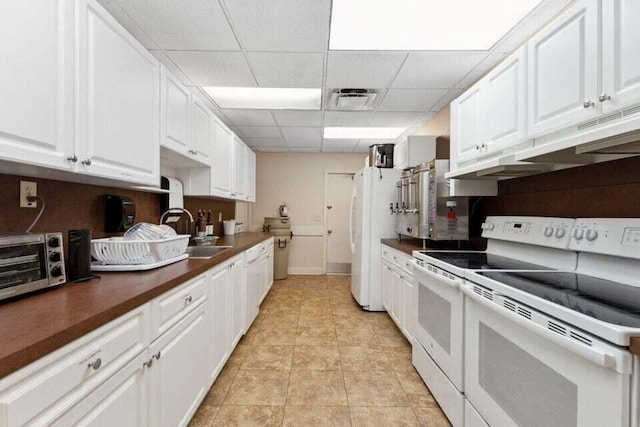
(313, 358)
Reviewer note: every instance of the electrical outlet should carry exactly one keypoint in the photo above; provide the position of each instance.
(27, 189)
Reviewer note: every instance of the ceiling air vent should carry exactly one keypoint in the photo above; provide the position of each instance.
(352, 99)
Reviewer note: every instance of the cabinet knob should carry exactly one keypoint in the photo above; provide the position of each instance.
(483, 145)
(86, 162)
(588, 103)
(604, 97)
(157, 356)
(188, 300)
(329, 231)
(477, 147)
(95, 365)
(148, 363)
(72, 159)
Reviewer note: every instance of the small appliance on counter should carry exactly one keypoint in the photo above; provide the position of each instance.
(120, 212)
(229, 226)
(381, 155)
(30, 262)
(79, 250)
(423, 208)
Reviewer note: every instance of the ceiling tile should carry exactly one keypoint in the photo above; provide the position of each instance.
(395, 119)
(302, 136)
(183, 25)
(339, 145)
(347, 118)
(118, 12)
(260, 131)
(436, 70)
(362, 70)
(310, 149)
(271, 149)
(287, 69)
(264, 142)
(297, 118)
(248, 117)
(214, 68)
(411, 99)
(280, 25)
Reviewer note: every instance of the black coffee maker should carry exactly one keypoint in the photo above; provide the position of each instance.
(381, 155)
(120, 212)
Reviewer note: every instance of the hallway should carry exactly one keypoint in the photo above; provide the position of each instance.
(312, 358)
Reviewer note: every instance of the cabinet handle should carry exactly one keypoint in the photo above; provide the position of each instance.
(86, 162)
(588, 103)
(157, 356)
(72, 159)
(483, 145)
(148, 363)
(95, 365)
(604, 97)
(188, 300)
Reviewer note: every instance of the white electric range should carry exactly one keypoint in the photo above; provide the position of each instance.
(515, 244)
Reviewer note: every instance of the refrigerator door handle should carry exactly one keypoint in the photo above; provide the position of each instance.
(352, 219)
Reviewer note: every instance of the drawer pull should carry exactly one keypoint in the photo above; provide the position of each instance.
(188, 300)
(95, 365)
(148, 363)
(157, 356)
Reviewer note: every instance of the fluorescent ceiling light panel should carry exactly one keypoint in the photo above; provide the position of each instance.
(424, 24)
(362, 133)
(266, 98)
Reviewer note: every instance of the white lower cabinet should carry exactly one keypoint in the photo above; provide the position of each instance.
(237, 301)
(219, 302)
(179, 370)
(397, 289)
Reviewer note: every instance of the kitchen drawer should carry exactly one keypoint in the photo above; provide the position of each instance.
(39, 392)
(387, 253)
(170, 307)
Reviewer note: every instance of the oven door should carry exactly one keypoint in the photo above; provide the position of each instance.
(439, 321)
(22, 266)
(524, 368)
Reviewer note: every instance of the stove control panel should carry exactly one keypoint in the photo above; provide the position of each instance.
(543, 231)
(607, 236)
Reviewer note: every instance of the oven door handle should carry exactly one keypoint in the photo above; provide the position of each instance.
(453, 281)
(595, 356)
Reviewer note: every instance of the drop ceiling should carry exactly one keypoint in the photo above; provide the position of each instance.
(284, 43)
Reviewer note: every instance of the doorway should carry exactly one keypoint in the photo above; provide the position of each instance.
(338, 189)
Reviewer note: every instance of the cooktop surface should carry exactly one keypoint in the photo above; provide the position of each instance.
(482, 261)
(605, 300)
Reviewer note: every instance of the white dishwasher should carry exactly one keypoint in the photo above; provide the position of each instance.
(254, 284)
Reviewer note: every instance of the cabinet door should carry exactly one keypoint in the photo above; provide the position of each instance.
(179, 373)
(504, 103)
(236, 308)
(270, 267)
(252, 302)
(466, 125)
(222, 169)
(250, 175)
(36, 82)
(396, 297)
(120, 401)
(118, 108)
(220, 321)
(563, 70)
(201, 129)
(387, 283)
(620, 47)
(176, 102)
(263, 277)
(239, 179)
(409, 306)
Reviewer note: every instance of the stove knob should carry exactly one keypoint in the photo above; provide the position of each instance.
(56, 271)
(487, 226)
(54, 242)
(578, 233)
(548, 231)
(55, 257)
(560, 232)
(409, 229)
(592, 235)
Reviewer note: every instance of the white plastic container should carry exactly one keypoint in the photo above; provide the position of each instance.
(229, 226)
(116, 251)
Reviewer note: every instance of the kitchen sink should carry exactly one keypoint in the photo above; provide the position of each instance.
(206, 252)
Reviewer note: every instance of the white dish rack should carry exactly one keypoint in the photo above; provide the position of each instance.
(117, 251)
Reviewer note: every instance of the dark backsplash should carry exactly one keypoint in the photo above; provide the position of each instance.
(75, 206)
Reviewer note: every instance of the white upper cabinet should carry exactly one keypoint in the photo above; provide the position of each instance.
(222, 162)
(201, 130)
(250, 175)
(239, 165)
(466, 125)
(117, 113)
(36, 82)
(176, 102)
(503, 103)
(563, 70)
(621, 58)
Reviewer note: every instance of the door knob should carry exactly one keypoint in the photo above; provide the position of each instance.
(329, 231)
(329, 207)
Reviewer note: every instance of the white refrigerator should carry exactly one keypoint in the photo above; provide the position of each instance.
(370, 221)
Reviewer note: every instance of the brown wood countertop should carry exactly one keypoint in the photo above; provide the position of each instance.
(408, 245)
(36, 325)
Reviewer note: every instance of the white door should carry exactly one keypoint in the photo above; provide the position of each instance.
(180, 371)
(222, 168)
(120, 401)
(262, 266)
(396, 296)
(176, 101)
(338, 190)
(220, 349)
(270, 267)
(504, 103)
(36, 82)
(620, 47)
(201, 129)
(118, 110)
(563, 70)
(236, 302)
(466, 125)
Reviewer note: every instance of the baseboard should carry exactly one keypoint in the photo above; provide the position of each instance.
(305, 270)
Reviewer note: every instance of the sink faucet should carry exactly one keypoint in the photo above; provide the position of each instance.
(168, 211)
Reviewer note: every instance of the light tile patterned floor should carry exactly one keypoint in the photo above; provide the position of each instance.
(314, 358)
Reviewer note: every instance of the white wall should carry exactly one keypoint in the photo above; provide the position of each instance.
(298, 180)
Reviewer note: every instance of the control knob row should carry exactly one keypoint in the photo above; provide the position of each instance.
(55, 257)
(549, 232)
(487, 226)
(56, 271)
(580, 233)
